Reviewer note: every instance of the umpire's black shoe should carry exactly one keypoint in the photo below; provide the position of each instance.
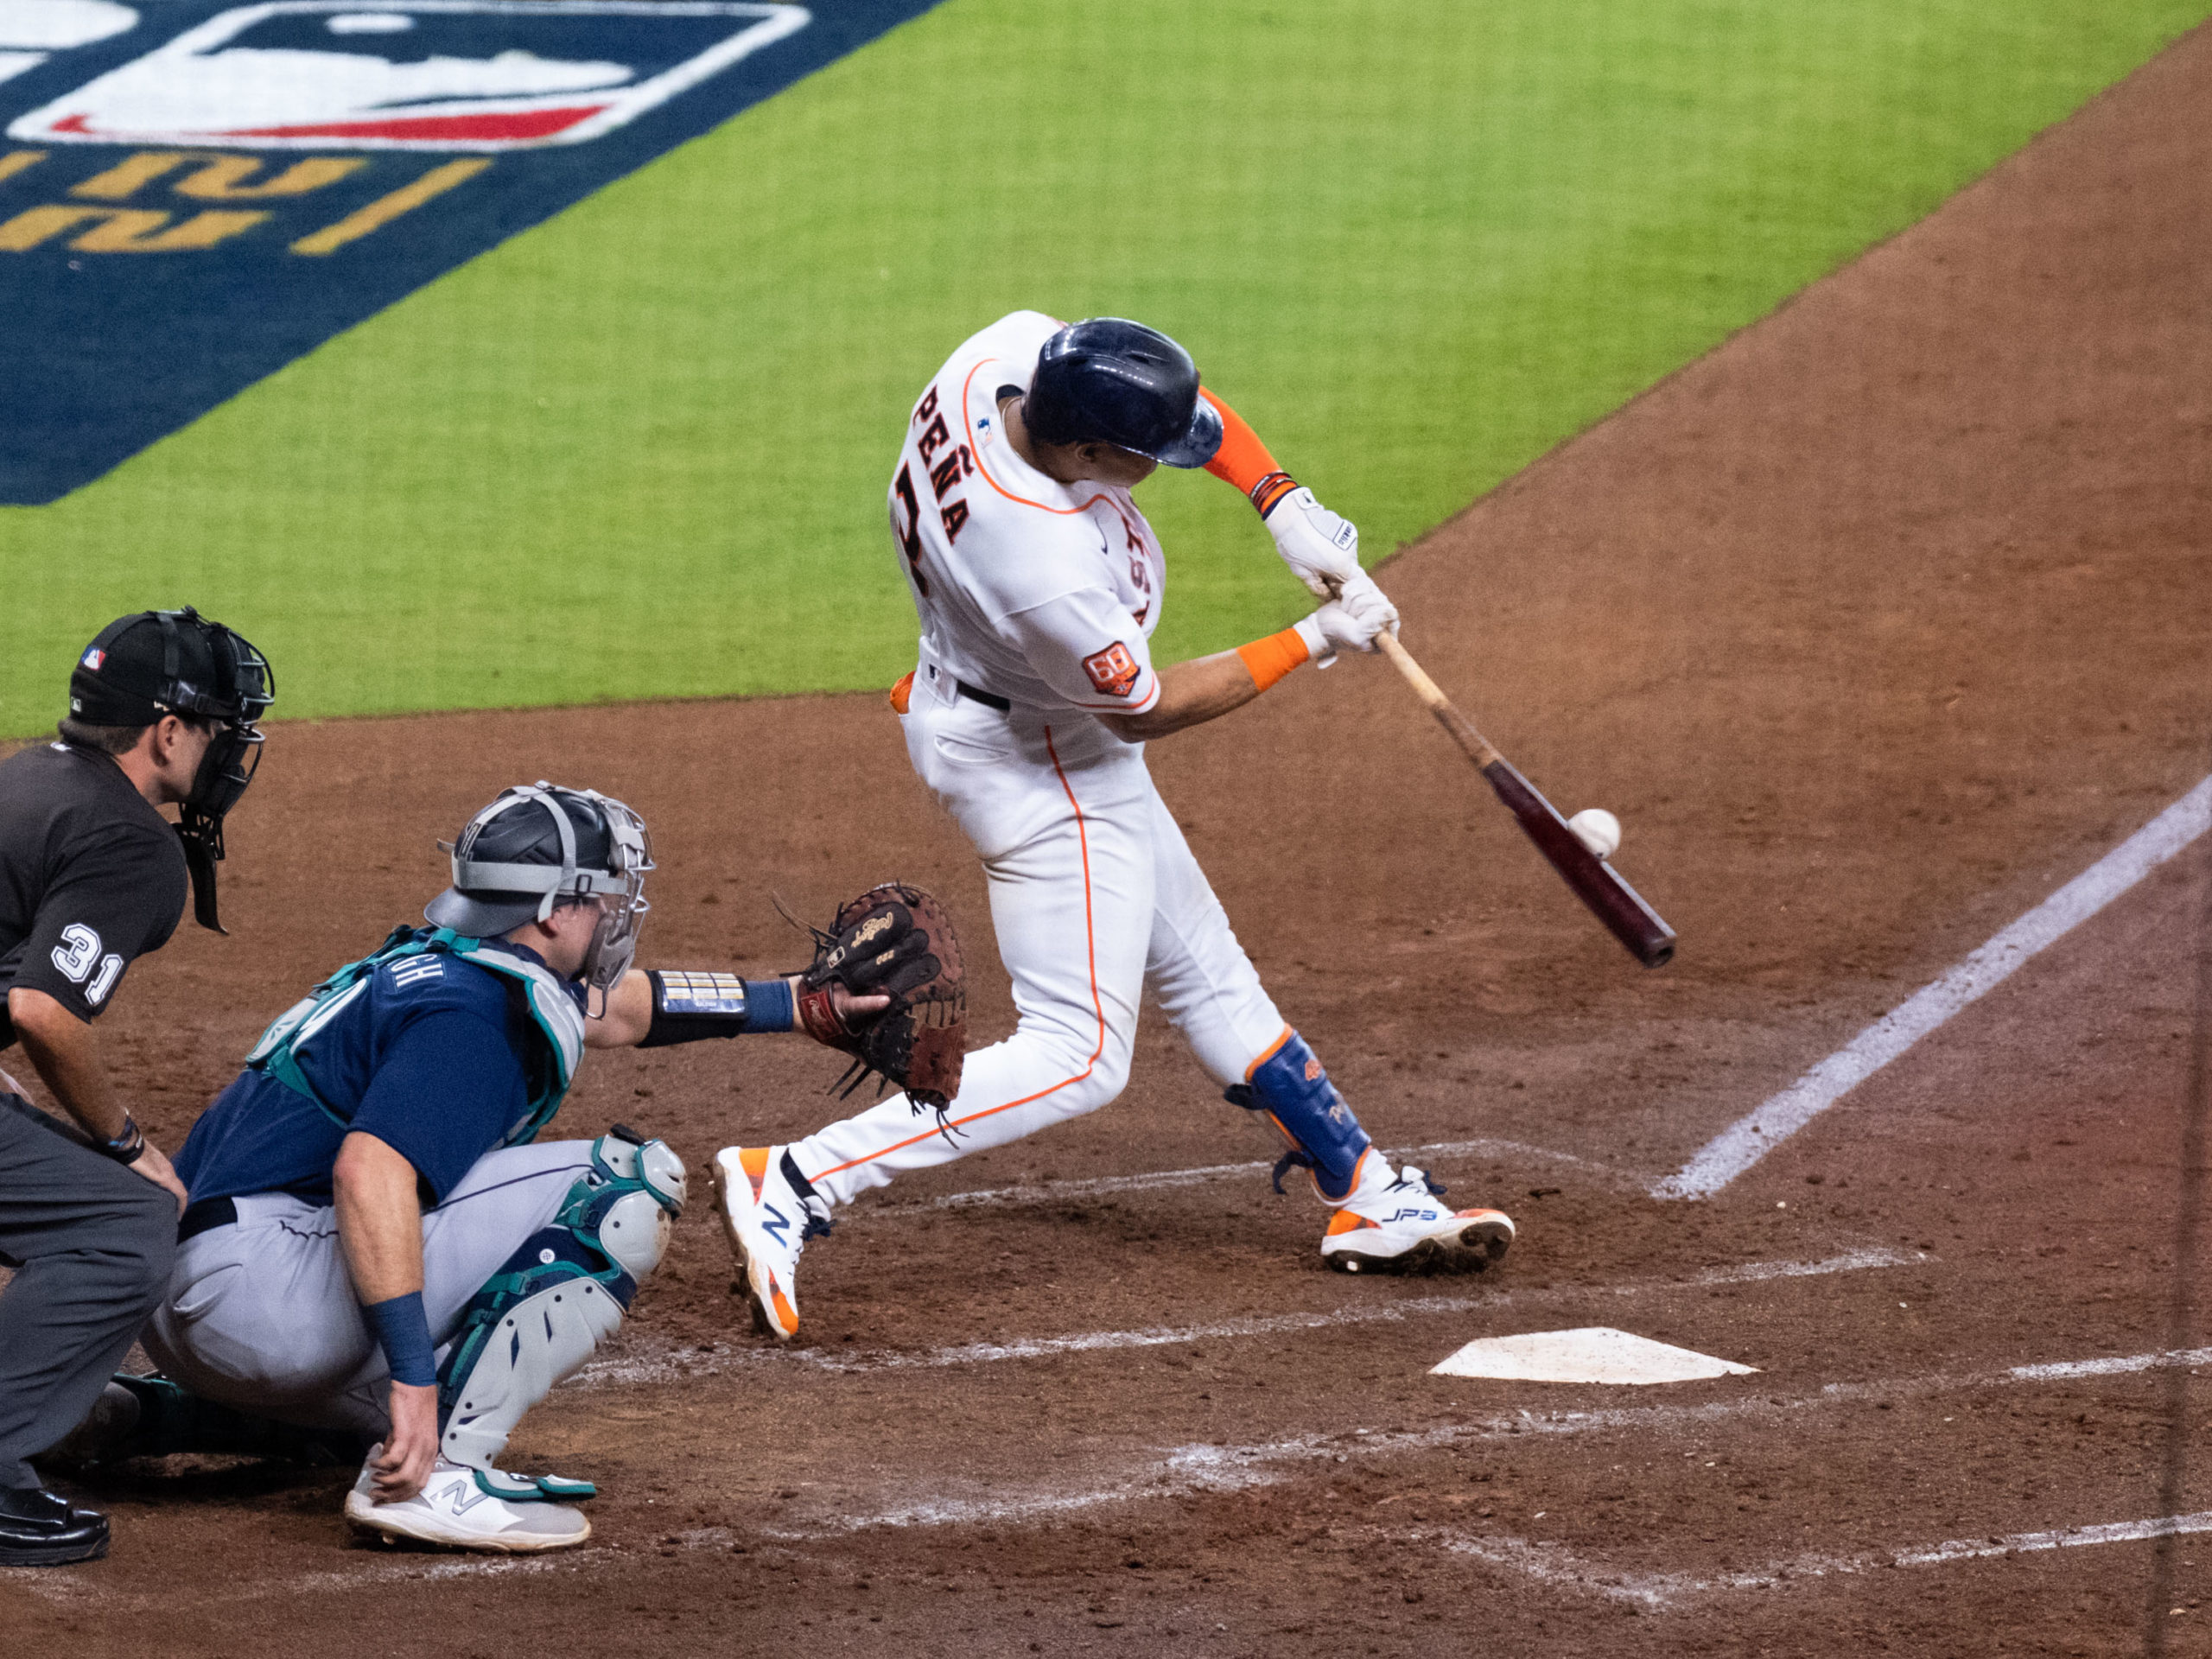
(39, 1529)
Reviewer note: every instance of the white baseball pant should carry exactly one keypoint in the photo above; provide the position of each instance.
(1095, 894)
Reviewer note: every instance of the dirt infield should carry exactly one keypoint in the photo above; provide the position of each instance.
(1874, 627)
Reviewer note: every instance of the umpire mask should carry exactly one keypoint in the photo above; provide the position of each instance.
(155, 663)
(540, 846)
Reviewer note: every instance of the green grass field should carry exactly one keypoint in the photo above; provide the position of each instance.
(641, 451)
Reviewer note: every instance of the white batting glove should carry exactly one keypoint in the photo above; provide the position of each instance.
(1317, 544)
(1349, 622)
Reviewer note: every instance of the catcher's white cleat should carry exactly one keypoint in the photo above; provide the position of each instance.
(768, 1223)
(1405, 1227)
(455, 1510)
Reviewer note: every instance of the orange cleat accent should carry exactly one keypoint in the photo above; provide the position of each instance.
(767, 1224)
(1403, 1228)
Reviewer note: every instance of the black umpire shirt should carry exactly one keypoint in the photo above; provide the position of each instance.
(91, 876)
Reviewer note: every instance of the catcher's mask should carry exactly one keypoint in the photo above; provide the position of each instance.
(155, 663)
(540, 846)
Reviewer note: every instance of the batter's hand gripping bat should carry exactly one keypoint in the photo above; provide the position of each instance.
(1597, 883)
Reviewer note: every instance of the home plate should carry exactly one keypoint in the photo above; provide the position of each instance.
(1593, 1354)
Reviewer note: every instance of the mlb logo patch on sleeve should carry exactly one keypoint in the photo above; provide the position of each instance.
(196, 193)
(1113, 669)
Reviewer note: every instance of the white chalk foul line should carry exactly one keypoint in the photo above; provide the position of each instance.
(1741, 1144)
(663, 1368)
(1157, 1180)
(1194, 1471)
(1556, 1566)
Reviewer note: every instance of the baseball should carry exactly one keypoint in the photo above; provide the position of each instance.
(1597, 829)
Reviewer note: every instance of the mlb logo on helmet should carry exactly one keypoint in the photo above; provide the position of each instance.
(411, 74)
(92, 658)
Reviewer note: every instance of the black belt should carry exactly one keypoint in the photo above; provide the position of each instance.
(204, 1216)
(975, 693)
(989, 699)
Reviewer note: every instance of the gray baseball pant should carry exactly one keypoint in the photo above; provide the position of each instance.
(92, 1244)
(261, 1315)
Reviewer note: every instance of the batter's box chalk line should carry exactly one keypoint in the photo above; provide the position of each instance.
(1558, 1567)
(1166, 1180)
(1197, 1470)
(1743, 1143)
(655, 1366)
(384, 1571)
(1206, 1469)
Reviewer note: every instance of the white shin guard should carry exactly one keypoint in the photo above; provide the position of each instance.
(539, 1342)
(554, 1302)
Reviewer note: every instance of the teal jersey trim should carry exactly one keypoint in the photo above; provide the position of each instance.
(554, 1017)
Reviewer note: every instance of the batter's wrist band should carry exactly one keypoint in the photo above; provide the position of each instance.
(689, 1006)
(1270, 658)
(1270, 489)
(129, 1146)
(403, 1332)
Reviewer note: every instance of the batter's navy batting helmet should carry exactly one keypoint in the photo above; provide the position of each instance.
(1111, 380)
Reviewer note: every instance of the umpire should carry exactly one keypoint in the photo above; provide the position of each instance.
(162, 712)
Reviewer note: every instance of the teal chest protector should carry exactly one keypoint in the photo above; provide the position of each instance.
(556, 1021)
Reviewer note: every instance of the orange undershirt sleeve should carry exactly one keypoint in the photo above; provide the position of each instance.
(1243, 461)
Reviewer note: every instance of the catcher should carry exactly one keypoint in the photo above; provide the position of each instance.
(379, 1248)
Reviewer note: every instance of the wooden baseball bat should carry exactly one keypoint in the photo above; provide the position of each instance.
(1597, 883)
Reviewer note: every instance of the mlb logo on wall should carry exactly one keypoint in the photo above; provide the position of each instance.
(193, 193)
(446, 74)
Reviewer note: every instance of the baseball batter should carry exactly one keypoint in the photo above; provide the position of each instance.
(1039, 584)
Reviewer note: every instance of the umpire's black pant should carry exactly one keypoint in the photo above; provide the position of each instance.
(92, 1244)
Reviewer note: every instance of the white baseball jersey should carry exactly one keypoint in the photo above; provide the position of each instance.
(1045, 595)
(1042, 592)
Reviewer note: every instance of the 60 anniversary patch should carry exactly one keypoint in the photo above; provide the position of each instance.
(192, 194)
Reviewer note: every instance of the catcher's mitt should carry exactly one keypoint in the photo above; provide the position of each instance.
(896, 941)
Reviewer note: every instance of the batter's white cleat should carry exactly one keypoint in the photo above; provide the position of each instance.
(1406, 1228)
(454, 1510)
(768, 1223)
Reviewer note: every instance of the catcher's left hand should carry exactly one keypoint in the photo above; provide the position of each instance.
(893, 941)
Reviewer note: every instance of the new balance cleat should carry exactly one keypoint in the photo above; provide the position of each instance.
(768, 1218)
(1406, 1228)
(461, 1508)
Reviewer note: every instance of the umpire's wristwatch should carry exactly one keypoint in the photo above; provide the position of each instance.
(129, 1146)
